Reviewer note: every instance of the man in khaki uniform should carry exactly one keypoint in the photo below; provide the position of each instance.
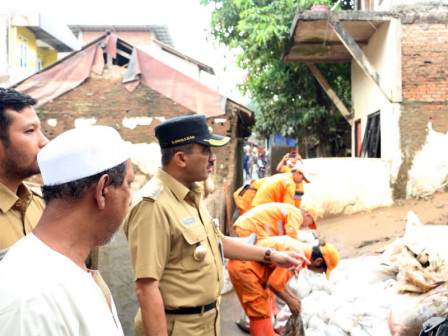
(20, 141)
(176, 246)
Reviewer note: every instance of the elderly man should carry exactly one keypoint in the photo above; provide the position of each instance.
(45, 287)
(20, 141)
(176, 246)
(253, 281)
(275, 219)
(283, 188)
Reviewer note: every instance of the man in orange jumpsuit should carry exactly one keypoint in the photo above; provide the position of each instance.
(252, 280)
(244, 195)
(283, 188)
(288, 162)
(275, 219)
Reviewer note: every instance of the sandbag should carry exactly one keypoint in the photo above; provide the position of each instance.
(409, 311)
(294, 326)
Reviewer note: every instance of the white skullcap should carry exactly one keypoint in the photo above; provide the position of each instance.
(81, 152)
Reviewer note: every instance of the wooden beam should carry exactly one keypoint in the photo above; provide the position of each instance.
(124, 54)
(358, 55)
(330, 92)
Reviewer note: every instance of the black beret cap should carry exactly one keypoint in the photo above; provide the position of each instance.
(183, 130)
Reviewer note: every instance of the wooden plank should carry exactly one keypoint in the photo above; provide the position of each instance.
(330, 92)
(359, 56)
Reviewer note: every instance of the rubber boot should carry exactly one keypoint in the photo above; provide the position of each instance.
(262, 327)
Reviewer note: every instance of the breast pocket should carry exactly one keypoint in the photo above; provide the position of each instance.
(194, 235)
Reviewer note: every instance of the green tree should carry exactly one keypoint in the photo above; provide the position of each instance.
(286, 96)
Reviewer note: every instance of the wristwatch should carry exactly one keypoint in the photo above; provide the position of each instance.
(267, 254)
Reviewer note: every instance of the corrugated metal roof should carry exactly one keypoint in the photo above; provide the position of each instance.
(161, 32)
(202, 66)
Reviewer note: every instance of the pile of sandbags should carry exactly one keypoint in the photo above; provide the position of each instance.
(355, 302)
(391, 294)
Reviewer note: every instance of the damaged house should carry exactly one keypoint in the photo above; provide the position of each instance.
(398, 51)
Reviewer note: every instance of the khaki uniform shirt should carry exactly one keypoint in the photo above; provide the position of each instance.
(164, 230)
(18, 214)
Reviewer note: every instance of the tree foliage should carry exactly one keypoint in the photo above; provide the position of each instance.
(286, 96)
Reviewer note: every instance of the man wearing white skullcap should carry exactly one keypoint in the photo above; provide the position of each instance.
(45, 287)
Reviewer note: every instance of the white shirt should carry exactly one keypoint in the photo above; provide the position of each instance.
(42, 292)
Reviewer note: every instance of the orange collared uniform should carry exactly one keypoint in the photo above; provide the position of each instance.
(279, 188)
(244, 195)
(250, 278)
(270, 219)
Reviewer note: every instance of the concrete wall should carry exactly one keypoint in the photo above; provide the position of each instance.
(387, 5)
(347, 185)
(384, 53)
(410, 52)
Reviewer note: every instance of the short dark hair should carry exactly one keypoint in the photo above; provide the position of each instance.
(75, 190)
(317, 253)
(168, 153)
(14, 100)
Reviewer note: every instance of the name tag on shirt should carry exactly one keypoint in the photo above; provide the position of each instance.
(188, 221)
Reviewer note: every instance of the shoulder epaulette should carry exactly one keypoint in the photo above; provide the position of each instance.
(153, 192)
(36, 191)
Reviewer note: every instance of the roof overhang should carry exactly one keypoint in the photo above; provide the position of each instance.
(49, 32)
(313, 38)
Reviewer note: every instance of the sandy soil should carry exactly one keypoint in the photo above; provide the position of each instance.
(368, 233)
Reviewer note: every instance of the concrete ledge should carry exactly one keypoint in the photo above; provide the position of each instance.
(347, 185)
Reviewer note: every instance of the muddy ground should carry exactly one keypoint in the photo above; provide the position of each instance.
(368, 233)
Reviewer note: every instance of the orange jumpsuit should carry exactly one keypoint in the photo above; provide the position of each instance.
(279, 188)
(270, 219)
(244, 195)
(250, 278)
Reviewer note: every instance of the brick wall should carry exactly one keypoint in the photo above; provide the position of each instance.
(425, 70)
(104, 98)
(425, 88)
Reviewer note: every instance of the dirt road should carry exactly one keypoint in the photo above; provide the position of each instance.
(369, 232)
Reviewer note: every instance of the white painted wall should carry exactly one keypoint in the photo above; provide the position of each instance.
(430, 167)
(347, 185)
(386, 5)
(3, 49)
(384, 53)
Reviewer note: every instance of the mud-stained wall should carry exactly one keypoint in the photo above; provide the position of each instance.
(422, 55)
(413, 129)
(425, 97)
(347, 185)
